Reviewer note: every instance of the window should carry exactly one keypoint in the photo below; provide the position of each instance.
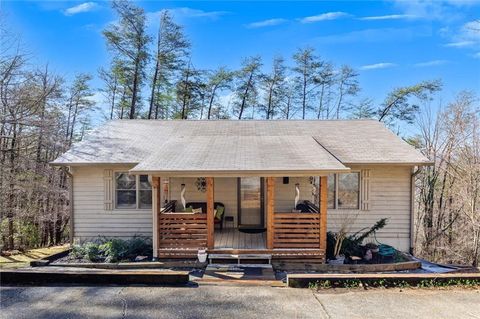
(126, 191)
(348, 190)
(344, 191)
(331, 191)
(145, 192)
(132, 191)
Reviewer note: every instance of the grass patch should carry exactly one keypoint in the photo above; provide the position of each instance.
(23, 259)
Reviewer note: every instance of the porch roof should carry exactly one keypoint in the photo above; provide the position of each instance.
(248, 146)
(225, 155)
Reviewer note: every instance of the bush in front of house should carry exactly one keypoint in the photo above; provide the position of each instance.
(351, 245)
(112, 250)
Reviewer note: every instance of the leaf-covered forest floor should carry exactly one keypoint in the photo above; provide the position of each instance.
(23, 259)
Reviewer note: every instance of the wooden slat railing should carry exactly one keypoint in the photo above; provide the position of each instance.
(169, 207)
(182, 231)
(297, 230)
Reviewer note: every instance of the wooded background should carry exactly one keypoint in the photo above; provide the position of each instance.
(151, 76)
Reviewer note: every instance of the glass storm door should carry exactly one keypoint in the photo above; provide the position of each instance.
(250, 202)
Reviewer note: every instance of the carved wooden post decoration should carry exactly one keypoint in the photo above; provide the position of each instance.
(270, 211)
(156, 205)
(210, 213)
(323, 213)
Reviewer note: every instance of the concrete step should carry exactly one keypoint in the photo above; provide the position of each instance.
(239, 272)
(229, 267)
(240, 257)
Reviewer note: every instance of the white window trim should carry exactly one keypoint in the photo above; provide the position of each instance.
(137, 193)
(335, 200)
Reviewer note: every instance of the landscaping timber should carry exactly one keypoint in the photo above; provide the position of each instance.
(303, 265)
(308, 280)
(136, 265)
(31, 277)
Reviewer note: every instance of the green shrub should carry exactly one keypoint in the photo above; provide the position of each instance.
(139, 246)
(77, 251)
(352, 245)
(112, 249)
(91, 252)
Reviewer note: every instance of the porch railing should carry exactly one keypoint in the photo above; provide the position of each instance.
(181, 230)
(297, 230)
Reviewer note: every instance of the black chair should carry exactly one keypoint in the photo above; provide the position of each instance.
(203, 206)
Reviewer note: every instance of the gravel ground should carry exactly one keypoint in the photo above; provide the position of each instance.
(234, 301)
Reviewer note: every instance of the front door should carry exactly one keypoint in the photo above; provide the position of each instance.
(250, 202)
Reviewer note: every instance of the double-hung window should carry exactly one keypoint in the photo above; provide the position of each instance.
(344, 191)
(131, 191)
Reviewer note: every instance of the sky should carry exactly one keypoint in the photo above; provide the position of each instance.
(390, 43)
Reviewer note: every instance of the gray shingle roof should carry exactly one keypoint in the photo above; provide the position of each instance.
(230, 145)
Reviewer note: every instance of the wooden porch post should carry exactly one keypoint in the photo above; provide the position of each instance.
(270, 211)
(323, 213)
(156, 206)
(210, 216)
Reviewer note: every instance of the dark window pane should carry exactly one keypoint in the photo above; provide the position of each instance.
(145, 199)
(144, 183)
(125, 181)
(331, 191)
(348, 190)
(126, 199)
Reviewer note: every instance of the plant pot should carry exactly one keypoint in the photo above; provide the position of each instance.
(202, 256)
(339, 260)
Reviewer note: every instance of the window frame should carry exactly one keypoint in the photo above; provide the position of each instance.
(335, 200)
(137, 192)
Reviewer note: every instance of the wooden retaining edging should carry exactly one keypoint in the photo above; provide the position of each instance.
(135, 265)
(305, 280)
(302, 265)
(29, 277)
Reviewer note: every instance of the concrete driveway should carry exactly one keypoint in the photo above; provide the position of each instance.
(226, 301)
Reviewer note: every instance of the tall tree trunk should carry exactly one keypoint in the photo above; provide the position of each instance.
(136, 76)
(320, 106)
(152, 94)
(245, 94)
(210, 103)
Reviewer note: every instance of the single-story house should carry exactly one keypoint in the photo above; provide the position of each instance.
(248, 186)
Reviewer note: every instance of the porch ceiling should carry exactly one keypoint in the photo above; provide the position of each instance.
(239, 156)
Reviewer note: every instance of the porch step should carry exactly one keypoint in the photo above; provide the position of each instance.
(240, 257)
(232, 267)
(227, 272)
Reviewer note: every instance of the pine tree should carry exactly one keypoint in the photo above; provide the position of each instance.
(128, 41)
(274, 87)
(306, 67)
(218, 80)
(172, 52)
(246, 93)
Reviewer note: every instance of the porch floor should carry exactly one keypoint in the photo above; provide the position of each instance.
(232, 238)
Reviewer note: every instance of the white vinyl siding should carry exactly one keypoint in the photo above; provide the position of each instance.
(92, 220)
(389, 196)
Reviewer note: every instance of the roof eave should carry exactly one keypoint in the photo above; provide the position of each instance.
(236, 173)
(91, 163)
(429, 163)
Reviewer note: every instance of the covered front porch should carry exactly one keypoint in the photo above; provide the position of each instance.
(285, 217)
